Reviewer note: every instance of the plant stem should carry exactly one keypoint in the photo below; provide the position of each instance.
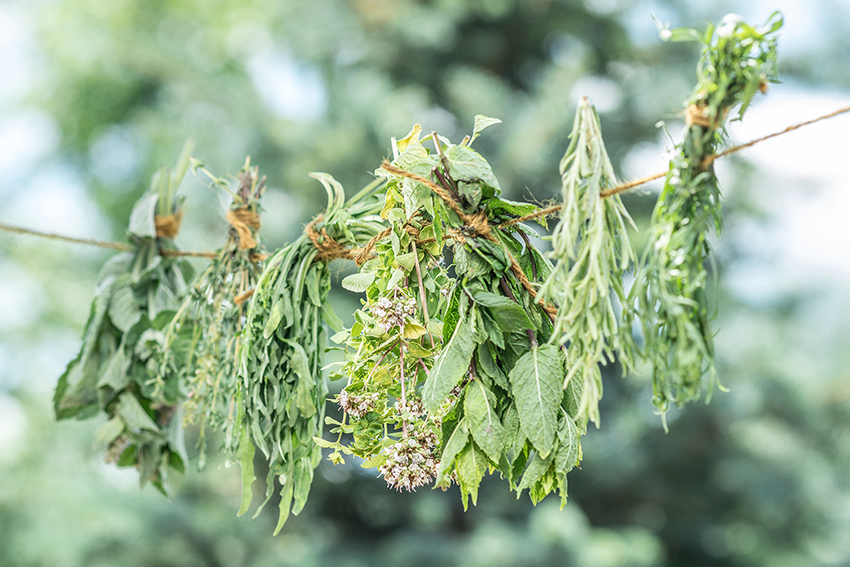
(421, 290)
(403, 396)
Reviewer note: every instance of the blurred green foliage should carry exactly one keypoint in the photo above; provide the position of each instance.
(756, 478)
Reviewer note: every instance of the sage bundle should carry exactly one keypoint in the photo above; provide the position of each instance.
(737, 61)
(116, 370)
(281, 401)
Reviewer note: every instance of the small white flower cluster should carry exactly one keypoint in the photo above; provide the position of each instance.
(357, 405)
(391, 313)
(410, 462)
(413, 407)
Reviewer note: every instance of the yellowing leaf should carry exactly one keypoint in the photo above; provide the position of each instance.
(413, 330)
(412, 137)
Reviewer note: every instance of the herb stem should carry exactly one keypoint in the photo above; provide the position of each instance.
(403, 396)
(445, 183)
(421, 290)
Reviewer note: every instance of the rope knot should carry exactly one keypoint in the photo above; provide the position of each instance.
(167, 226)
(244, 221)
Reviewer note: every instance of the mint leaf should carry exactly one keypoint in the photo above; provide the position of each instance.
(536, 382)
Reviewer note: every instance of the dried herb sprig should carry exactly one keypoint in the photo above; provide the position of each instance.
(592, 252)
(137, 295)
(203, 341)
(671, 289)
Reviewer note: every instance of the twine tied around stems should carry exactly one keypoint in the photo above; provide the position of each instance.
(167, 226)
(244, 221)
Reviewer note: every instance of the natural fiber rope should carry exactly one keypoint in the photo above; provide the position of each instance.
(243, 297)
(443, 195)
(99, 243)
(243, 221)
(478, 225)
(167, 226)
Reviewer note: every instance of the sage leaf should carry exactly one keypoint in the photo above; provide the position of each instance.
(245, 454)
(142, 217)
(134, 415)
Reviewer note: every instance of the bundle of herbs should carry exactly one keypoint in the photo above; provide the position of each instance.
(203, 340)
(471, 352)
(281, 402)
(671, 290)
(592, 252)
(447, 375)
(116, 370)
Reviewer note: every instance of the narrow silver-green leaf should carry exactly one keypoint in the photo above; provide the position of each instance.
(245, 454)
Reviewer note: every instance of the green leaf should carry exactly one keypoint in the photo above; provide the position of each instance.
(487, 365)
(406, 260)
(304, 390)
(569, 452)
(508, 314)
(358, 283)
(536, 382)
(134, 415)
(536, 469)
(116, 375)
(302, 482)
(124, 310)
(471, 466)
(450, 367)
(467, 165)
(482, 122)
(451, 449)
(506, 208)
(245, 454)
(285, 504)
(332, 319)
(313, 287)
(479, 406)
(141, 218)
(109, 432)
(275, 317)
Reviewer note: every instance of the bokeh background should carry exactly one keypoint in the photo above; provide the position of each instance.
(95, 94)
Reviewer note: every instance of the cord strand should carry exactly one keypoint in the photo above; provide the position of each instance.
(623, 187)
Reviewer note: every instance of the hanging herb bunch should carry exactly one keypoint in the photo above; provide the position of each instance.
(203, 340)
(472, 352)
(448, 376)
(737, 61)
(282, 398)
(116, 371)
(593, 253)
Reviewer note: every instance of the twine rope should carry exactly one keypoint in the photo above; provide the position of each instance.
(244, 221)
(167, 226)
(360, 255)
